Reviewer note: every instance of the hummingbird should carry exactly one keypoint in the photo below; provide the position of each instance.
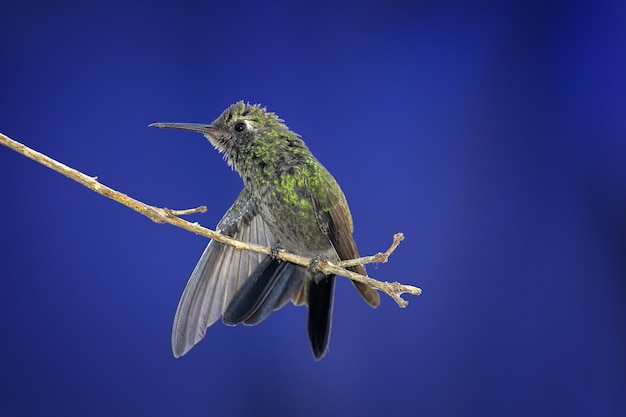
(289, 201)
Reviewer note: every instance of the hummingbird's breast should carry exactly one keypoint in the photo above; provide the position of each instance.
(293, 215)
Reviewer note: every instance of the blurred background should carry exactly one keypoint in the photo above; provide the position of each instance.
(492, 135)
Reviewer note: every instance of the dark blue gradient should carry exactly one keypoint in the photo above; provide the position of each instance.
(493, 136)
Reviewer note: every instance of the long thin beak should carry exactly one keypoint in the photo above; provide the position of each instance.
(194, 127)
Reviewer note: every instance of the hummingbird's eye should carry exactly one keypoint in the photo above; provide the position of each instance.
(240, 127)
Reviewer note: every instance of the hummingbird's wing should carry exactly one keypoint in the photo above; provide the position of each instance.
(340, 234)
(220, 272)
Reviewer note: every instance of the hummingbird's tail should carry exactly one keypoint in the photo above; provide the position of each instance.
(320, 299)
(269, 287)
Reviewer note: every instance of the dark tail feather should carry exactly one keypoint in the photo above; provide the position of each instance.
(298, 276)
(320, 302)
(262, 292)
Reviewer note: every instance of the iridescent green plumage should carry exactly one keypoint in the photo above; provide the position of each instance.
(289, 200)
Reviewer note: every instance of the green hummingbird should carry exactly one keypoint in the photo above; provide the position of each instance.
(289, 201)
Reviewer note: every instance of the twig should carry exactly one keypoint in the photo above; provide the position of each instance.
(165, 215)
(380, 257)
(201, 209)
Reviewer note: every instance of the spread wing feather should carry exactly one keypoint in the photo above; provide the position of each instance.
(219, 274)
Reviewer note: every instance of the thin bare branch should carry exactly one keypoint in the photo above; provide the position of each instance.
(164, 215)
(380, 257)
(201, 209)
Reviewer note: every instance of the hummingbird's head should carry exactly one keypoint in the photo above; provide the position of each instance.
(241, 125)
(241, 128)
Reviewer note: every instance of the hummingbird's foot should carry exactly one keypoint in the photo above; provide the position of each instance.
(274, 249)
(314, 263)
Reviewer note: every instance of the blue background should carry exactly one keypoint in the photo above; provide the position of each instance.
(493, 136)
